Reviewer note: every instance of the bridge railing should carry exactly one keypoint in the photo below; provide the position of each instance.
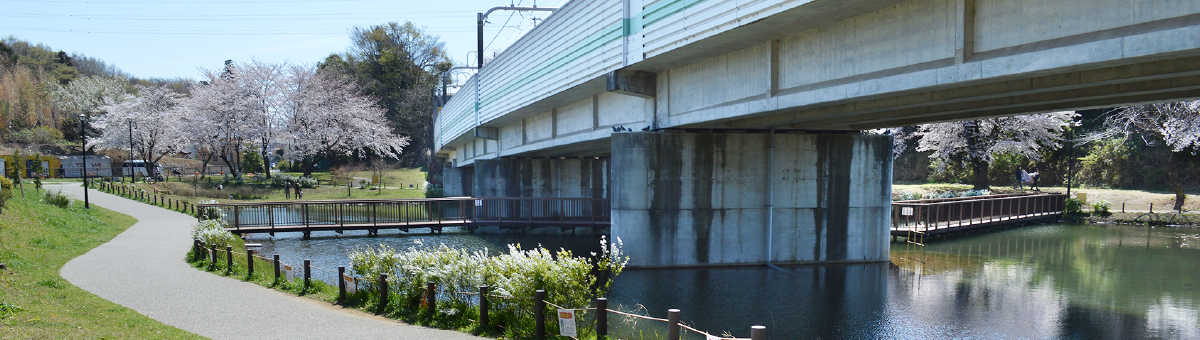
(400, 212)
(563, 210)
(923, 215)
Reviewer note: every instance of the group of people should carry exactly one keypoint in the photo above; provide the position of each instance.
(1030, 178)
(289, 186)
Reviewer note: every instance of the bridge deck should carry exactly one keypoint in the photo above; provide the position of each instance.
(946, 216)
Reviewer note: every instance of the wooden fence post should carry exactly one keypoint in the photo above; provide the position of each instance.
(383, 292)
(431, 298)
(672, 324)
(539, 313)
(341, 283)
(276, 262)
(212, 249)
(758, 332)
(307, 272)
(249, 262)
(601, 317)
(229, 258)
(483, 307)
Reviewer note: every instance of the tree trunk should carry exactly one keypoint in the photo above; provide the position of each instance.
(1176, 179)
(979, 169)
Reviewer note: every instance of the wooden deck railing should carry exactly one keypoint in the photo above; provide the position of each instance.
(270, 217)
(965, 212)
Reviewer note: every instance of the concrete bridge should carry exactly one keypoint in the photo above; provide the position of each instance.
(727, 132)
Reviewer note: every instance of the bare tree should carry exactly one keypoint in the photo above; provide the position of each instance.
(1177, 124)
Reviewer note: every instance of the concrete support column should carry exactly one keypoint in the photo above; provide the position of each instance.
(458, 181)
(541, 177)
(694, 199)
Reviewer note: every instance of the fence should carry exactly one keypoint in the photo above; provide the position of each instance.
(671, 328)
(947, 214)
(306, 216)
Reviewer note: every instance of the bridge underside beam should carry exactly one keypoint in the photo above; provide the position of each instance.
(541, 177)
(1155, 81)
(694, 199)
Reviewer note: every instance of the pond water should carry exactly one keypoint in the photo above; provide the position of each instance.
(1043, 282)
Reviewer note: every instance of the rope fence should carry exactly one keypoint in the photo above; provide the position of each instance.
(571, 317)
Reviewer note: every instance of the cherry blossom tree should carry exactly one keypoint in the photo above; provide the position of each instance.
(1177, 124)
(975, 143)
(261, 83)
(84, 95)
(152, 115)
(328, 117)
(219, 118)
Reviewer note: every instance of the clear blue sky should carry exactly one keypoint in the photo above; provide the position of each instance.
(169, 39)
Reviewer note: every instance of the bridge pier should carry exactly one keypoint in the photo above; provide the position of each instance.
(696, 199)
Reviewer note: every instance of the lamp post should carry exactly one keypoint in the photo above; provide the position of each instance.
(83, 138)
(132, 174)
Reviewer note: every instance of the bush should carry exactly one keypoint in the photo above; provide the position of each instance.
(906, 196)
(1073, 206)
(1100, 208)
(56, 198)
(6, 192)
(212, 232)
(37, 135)
(567, 279)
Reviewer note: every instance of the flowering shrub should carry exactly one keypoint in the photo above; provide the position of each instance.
(570, 281)
(56, 198)
(212, 232)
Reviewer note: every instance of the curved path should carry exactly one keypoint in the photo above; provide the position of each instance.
(143, 268)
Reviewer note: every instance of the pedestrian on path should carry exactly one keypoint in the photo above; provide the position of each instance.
(287, 190)
(299, 192)
(1020, 173)
(1034, 177)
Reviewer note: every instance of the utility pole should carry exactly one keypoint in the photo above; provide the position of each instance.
(83, 139)
(481, 18)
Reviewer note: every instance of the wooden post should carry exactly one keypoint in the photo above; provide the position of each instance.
(212, 249)
(672, 324)
(539, 313)
(483, 307)
(383, 292)
(601, 317)
(196, 250)
(229, 258)
(758, 332)
(249, 262)
(1151, 208)
(341, 283)
(307, 272)
(276, 262)
(431, 298)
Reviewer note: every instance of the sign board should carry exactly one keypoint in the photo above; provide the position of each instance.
(351, 287)
(566, 322)
(478, 203)
(906, 211)
(287, 272)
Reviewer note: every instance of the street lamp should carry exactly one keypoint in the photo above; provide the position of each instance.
(83, 138)
(132, 174)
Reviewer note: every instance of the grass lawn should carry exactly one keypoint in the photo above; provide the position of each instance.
(1134, 200)
(36, 239)
(396, 186)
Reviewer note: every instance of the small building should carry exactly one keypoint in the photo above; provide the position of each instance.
(50, 166)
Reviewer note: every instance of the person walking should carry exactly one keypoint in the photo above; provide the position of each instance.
(299, 192)
(1020, 174)
(1035, 176)
(287, 190)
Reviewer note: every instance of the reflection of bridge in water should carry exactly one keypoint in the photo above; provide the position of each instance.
(519, 214)
(931, 217)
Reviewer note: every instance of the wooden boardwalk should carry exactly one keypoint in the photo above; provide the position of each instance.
(918, 219)
(566, 214)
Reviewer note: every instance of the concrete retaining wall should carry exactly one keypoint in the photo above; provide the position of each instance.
(688, 199)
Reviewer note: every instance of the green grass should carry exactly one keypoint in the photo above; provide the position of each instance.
(36, 239)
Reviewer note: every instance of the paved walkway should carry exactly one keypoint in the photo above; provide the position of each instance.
(143, 268)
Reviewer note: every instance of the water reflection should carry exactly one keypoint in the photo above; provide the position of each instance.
(1075, 282)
